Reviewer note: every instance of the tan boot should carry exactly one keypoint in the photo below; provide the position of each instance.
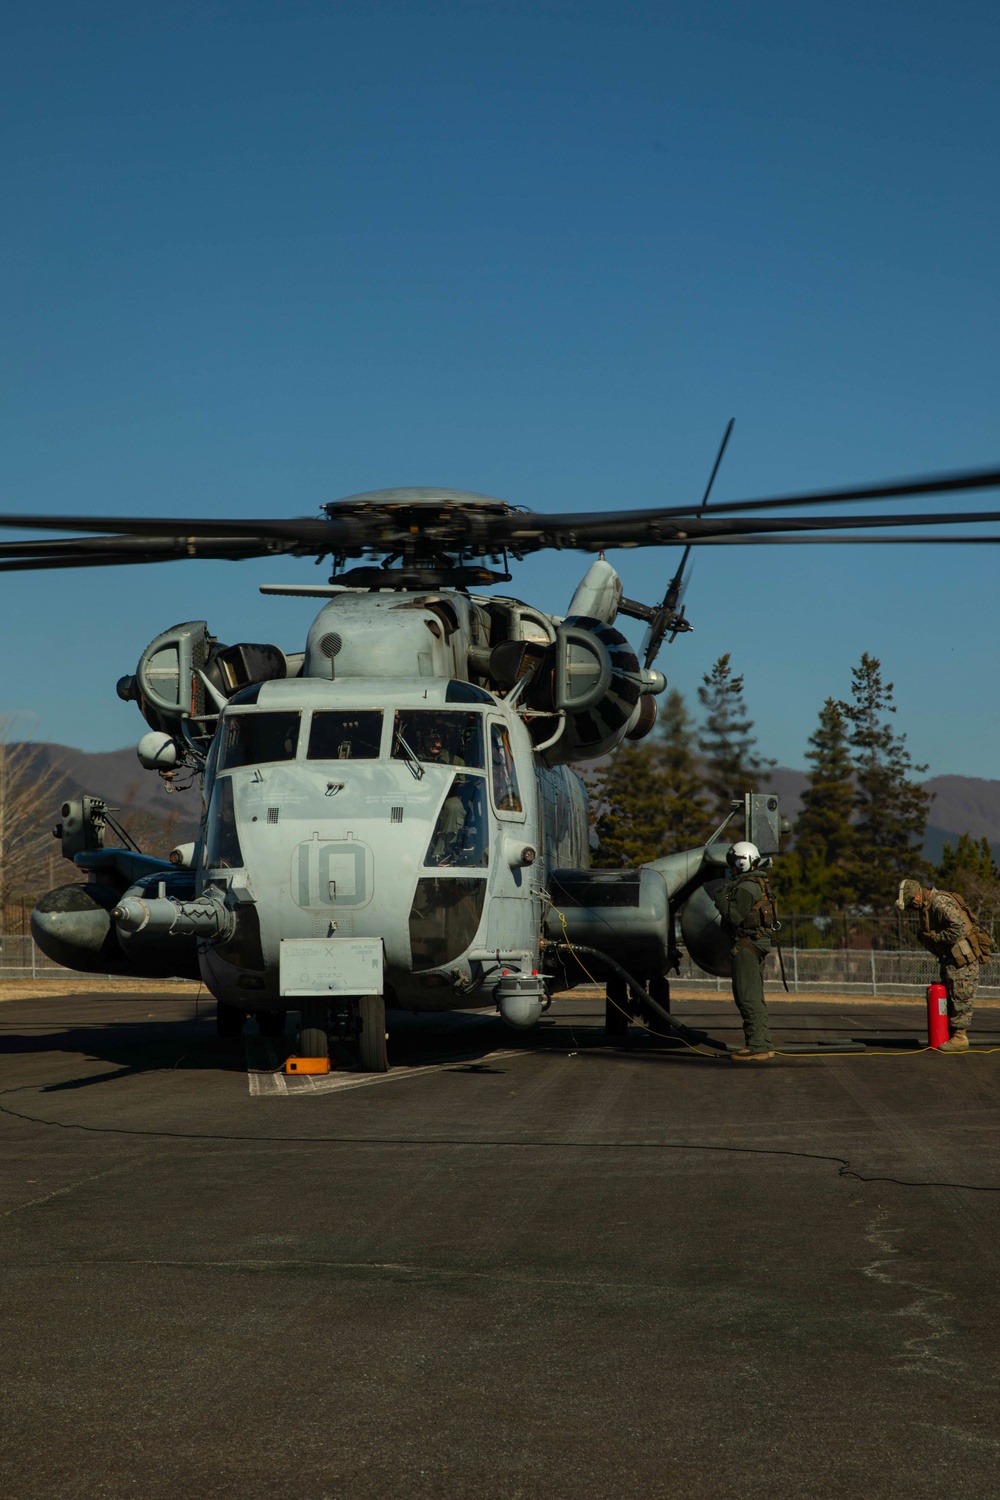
(957, 1042)
(743, 1054)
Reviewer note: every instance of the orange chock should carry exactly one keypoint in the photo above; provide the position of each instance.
(307, 1065)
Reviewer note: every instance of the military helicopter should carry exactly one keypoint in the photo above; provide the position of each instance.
(389, 815)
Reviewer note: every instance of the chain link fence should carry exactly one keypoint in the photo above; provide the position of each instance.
(847, 971)
(21, 959)
(809, 970)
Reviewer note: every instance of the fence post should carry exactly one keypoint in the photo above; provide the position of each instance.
(795, 967)
(871, 954)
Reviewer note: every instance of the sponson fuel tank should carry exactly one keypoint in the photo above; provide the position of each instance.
(624, 913)
(636, 916)
(73, 924)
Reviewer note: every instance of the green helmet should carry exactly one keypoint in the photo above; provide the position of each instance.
(908, 889)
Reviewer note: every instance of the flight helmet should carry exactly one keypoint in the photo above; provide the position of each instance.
(742, 857)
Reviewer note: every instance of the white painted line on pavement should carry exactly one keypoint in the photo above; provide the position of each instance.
(270, 1081)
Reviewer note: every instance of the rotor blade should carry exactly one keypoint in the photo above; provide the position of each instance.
(592, 533)
(666, 617)
(844, 541)
(305, 529)
(146, 546)
(737, 526)
(677, 583)
(718, 460)
(931, 484)
(106, 551)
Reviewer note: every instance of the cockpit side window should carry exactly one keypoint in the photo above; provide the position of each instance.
(461, 836)
(438, 737)
(211, 765)
(252, 739)
(339, 734)
(506, 793)
(222, 842)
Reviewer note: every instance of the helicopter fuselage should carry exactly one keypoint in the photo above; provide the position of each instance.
(414, 815)
(398, 794)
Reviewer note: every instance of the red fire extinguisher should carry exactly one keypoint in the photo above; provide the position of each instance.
(937, 1015)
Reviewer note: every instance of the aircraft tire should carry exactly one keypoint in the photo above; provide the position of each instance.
(229, 1021)
(314, 1029)
(373, 1054)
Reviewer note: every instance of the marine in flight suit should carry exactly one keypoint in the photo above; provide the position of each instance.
(746, 906)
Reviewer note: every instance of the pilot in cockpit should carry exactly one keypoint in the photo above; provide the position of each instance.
(432, 747)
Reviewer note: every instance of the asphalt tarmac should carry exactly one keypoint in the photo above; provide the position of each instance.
(512, 1267)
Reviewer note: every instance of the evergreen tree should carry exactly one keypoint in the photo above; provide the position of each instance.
(647, 800)
(629, 803)
(890, 809)
(687, 814)
(968, 868)
(824, 837)
(732, 765)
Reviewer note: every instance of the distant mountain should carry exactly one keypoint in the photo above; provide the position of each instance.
(962, 804)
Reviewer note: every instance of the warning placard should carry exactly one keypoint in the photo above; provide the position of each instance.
(331, 966)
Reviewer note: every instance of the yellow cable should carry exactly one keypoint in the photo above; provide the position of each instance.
(664, 1036)
(672, 1036)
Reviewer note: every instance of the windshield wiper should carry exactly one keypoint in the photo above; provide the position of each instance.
(412, 762)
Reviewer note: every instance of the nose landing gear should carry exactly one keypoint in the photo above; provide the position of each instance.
(358, 1022)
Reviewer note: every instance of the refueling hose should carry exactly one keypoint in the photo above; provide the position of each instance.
(685, 1033)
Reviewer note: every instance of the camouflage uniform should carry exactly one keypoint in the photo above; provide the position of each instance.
(735, 900)
(942, 927)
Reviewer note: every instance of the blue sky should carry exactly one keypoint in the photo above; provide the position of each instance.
(257, 256)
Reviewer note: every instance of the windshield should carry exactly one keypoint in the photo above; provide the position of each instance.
(438, 737)
(222, 844)
(252, 739)
(506, 795)
(345, 735)
(461, 835)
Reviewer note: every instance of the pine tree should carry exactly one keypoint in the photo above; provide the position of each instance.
(824, 837)
(968, 868)
(629, 796)
(687, 814)
(647, 800)
(890, 809)
(732, 765)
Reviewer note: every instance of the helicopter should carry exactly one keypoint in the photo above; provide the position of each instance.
(390, 816)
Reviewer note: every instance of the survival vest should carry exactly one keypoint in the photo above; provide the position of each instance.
(976, 940)
(763, 915)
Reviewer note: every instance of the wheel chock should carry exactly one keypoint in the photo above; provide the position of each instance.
(307, 1065)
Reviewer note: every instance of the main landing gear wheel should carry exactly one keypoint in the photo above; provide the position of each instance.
(373, 1054)
(314, 1029)
(617, 1010)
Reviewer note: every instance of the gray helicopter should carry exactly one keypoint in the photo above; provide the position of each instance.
(389, 816)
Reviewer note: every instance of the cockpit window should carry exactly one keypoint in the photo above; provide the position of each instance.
(253, 739)
(436, 737)
(222, 843)
(339, 734)
(506, 795)
(211, 765)
(461, 836)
